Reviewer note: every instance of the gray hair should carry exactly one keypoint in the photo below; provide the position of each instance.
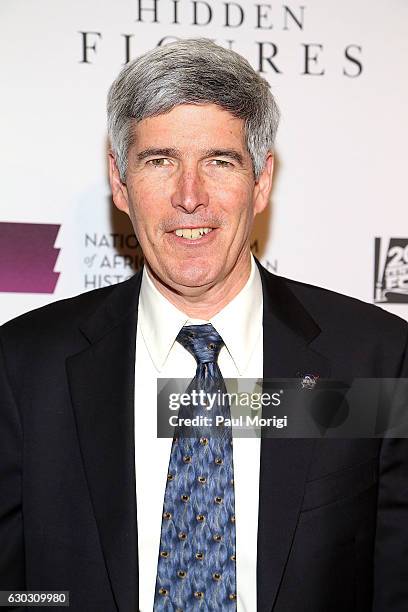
(192, 71)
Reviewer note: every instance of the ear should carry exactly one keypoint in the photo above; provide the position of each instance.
(263, 186)
(119, 190)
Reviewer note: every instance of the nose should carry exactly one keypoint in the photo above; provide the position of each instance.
(190, 191)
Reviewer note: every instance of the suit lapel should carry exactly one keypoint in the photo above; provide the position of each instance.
(288, 330)
(102, 389)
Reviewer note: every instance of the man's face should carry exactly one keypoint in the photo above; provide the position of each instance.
(191, 195)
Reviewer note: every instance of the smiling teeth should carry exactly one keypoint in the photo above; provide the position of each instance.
(192, 234)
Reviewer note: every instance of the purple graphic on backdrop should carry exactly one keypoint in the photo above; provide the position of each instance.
(27, 257)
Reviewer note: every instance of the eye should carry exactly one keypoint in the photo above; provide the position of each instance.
(158, 162)
(221, 163)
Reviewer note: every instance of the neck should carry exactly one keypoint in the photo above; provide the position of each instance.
(208, 301)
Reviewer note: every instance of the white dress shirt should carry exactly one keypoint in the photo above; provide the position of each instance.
(158, 355)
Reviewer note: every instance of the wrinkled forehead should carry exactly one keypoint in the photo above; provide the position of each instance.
(191, 126)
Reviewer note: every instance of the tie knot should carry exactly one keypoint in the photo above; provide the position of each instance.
(202, 341)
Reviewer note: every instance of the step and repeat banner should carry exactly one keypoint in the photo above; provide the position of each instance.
(338, 214)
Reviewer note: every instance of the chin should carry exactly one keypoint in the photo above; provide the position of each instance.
(193, 276)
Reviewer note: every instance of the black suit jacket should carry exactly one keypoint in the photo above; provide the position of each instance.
(333, 514)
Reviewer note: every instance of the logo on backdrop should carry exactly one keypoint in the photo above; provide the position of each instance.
(28, 257)
(110, 258)
(162, 21)
(391, 271)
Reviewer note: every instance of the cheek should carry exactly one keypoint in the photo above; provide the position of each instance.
(237, 206)
(233, 192)
(146, 204)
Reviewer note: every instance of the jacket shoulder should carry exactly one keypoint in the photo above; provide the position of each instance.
(57, 316)
(342, 310)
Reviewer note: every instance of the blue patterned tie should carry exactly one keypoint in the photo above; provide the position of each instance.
(196, 567)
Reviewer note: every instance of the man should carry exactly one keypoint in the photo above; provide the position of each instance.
(320, 525)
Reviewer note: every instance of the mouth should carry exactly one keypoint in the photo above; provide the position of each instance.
(192, 236)
(192, 233)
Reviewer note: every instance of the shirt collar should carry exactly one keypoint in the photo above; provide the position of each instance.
(160, 321)
(243, 313)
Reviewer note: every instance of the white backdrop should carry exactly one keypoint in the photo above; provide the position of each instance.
(339, 73)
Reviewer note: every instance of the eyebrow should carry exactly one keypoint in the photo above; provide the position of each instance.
(171, 152)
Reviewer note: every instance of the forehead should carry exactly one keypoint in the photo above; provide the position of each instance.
(191, 125)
